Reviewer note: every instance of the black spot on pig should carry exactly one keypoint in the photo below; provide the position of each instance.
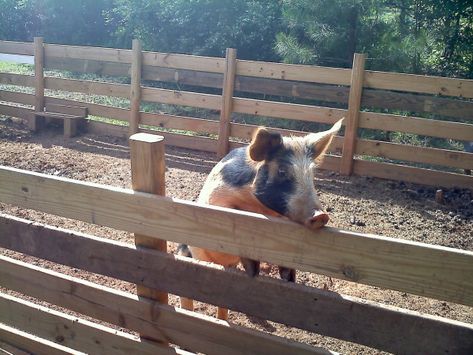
(237, 172)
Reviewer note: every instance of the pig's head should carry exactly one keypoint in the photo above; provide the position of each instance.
(284, 180)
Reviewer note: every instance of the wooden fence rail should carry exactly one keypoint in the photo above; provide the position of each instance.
(442, 97)
(417, 268)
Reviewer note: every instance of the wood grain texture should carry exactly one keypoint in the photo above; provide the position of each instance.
(287, 110)
(184, 61)
(135, 87)
(434, 156)
(353, 115)
(21, 48)
(17, 79)
(17, 97)
(412, 174)
(185, 98)
(88, 87)
(419, 83)
(417, 268)
(324, 312)
(227, 102)
(186, 329)
(26, 344)
(34, 122)
(423, 126)
(297, 72)
(147, 175)
(15, 111)
(71, 331)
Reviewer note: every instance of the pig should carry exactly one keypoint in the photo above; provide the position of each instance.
(272, 176)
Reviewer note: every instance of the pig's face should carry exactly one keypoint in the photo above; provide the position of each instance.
(284, 179)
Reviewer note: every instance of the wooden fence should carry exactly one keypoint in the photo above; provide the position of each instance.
(356, 94)
(431, 271)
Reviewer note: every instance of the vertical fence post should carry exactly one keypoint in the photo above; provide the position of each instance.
(227, 102)
(354, 104)
(135, 94)
(147, 175)
(35, 121)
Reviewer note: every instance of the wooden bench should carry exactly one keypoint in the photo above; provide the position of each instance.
(72, 116)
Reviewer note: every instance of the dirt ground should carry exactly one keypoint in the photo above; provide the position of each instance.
(368, 205)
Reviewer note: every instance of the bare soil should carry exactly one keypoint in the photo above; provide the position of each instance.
(368, 205)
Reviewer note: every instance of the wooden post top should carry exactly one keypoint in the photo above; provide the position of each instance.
(146, 138)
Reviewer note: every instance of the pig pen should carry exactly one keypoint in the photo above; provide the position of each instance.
(368, 205)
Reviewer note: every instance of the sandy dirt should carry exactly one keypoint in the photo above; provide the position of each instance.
(367, 205)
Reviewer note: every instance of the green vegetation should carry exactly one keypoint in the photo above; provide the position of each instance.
(413, 36)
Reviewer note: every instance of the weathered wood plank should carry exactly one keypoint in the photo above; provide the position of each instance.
(88, 87)
(186, 329)
(17, 97)
(288, 111)
(184, 61)
(227, 103)
(135, 87)
(422, 126)
(27, 344)
(15, 111)
(89, 53)
(412, 174)
(88, 66)
(324, 312)
(179, 140)
(185, 98)
(297, 72)
(17, 79)
(11, 47)
(353, 114)
(417, 103)
(412, 153)
(71, 331)
(422, 269)
(419, 83)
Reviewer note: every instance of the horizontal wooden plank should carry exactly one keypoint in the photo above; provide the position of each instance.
(412, 153)
(89, 53)
(179, 122)
(325, 312)
(287, 110)
(185, 98)
(165, 323)
(419, 83)
(182, 76)
(173, 139)
(88, 66)
(422, 126)
(417, 103)
(412, 174)
(297, 72)
(17, 97)
(93, 109)
(184, 61)
(21, 48)
(17, 79)
(88, 87)
(15, 111)
(71, 331)
(421, 269)
(30, 344)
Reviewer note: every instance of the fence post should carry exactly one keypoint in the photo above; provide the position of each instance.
(227, 102)
(147, 175)
(35, 121)
(135, 94)
(354, 104)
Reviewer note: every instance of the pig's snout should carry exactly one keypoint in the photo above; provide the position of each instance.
(318, 220)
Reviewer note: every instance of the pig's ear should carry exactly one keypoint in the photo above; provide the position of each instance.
(319, 142)
(263, 143)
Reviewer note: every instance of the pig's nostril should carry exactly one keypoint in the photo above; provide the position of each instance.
(319, 220)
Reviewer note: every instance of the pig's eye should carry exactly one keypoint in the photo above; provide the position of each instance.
(282, 173)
